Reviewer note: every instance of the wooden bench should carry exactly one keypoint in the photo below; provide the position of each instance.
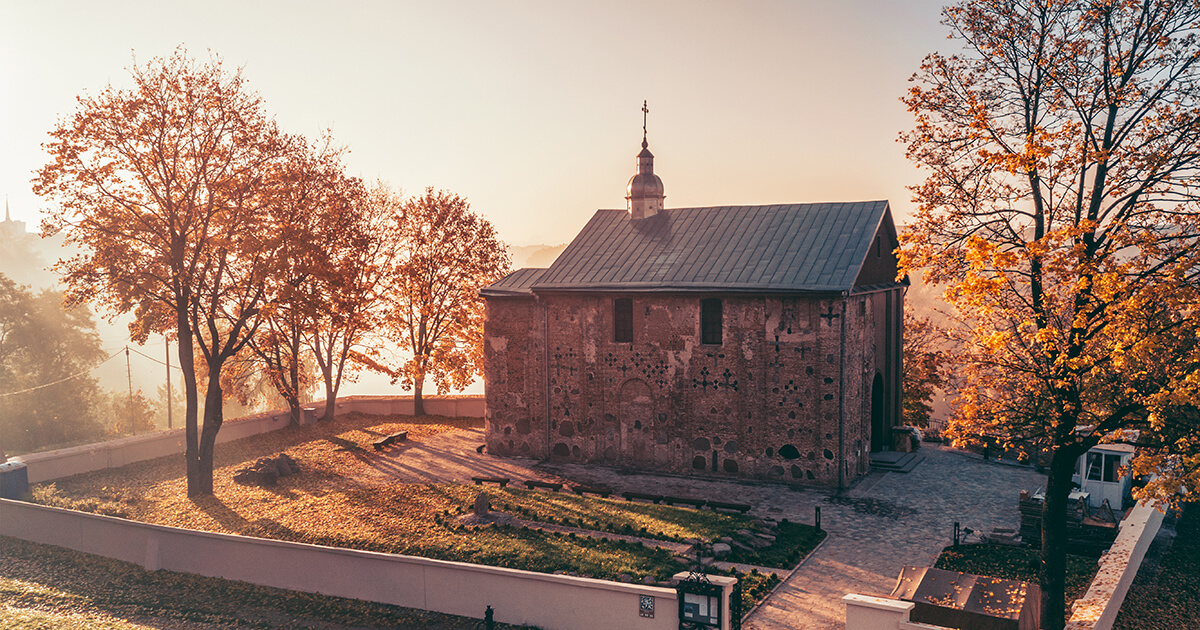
(734, 507)
(545, 485)
(389, 440)
(500, 481)
(696, 503)
(582, 490)
(629, 496)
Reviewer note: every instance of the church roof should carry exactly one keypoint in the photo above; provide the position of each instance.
(810, 247)
(517, 283)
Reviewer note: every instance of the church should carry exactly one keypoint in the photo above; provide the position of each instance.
(761, 342)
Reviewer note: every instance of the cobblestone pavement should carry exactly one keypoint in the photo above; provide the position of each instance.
(886, 521)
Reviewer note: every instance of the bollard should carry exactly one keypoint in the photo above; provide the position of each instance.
(818, 518)
(488, 622)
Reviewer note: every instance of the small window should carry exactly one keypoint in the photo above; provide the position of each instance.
(879, 246)
(1093, 466)
(622, 320)
(1103, 467)
(710, 321)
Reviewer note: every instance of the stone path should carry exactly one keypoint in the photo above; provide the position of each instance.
(886, 521)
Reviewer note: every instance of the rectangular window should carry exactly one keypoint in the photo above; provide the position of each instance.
(622, 320)
(710, 321)
(1093, 466)
(1103, 467)
(1112, 464)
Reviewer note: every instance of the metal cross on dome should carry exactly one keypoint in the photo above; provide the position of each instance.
(645, 110)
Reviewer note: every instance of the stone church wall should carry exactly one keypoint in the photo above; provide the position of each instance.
(781, 398)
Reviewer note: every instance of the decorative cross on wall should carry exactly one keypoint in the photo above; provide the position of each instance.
(829, 317)
(704, 384)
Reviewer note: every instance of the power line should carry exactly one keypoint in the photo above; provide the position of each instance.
(134, 350)
(63, 380)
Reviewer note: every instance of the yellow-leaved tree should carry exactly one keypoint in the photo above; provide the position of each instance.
(1062, 148)
(445, 254)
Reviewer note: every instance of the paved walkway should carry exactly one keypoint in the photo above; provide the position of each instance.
(887, 521)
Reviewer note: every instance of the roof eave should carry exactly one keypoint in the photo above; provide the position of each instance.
(649, 287)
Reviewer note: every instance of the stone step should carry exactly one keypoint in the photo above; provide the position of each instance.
(891, 461)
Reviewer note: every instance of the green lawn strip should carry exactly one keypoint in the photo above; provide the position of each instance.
(648, 520)
(1172, 598)
(792, 543)
(78, 590)
(1016, 563)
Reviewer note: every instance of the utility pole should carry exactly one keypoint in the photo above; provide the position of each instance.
(129, 375)
(167, 343)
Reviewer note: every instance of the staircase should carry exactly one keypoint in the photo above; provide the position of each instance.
(895, 461)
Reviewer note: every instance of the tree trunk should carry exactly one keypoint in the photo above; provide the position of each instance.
(330, 401)
(187, 364)
(294, 410)
(418, 404)
(330, 390)
(213, 417)
(293, 388)
(1054, 538)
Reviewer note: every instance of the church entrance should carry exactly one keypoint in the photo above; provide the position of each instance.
(880, 435)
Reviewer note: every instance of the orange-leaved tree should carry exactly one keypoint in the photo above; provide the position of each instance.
(352, 290)
(315, 216)
(168, 190)
(447, 253)
(1060, 213)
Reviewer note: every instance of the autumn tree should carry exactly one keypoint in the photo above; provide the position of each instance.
(447, 253)
(923, 373)
(352, 290)
(1062, 149)
(170, 190)
(316, 218)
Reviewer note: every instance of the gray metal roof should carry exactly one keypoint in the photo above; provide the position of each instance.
(515, 284)
(812, 247)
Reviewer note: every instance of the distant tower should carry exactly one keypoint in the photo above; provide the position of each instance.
(645, 191)
(11, 228)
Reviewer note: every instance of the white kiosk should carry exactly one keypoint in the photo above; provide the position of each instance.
(1099, 473)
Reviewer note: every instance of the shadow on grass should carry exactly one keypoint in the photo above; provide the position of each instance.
(216, 509)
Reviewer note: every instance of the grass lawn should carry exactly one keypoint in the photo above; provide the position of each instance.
(1016, 563)
(49, 587)
(1172, 598)
(346, 496)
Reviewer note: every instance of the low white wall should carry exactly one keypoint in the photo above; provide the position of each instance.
(65, 462)
(518, 597)
(1098, 608)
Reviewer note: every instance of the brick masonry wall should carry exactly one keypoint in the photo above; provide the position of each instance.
(781, 398)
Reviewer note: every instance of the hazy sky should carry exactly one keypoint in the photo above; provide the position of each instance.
(529, 109)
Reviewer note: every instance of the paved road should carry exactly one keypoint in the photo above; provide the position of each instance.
(885, 522)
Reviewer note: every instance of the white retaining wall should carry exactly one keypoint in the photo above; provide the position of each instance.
(518, 597)
(65, 462)
(1098, 608)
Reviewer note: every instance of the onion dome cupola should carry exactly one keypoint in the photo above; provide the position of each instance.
(645, 191)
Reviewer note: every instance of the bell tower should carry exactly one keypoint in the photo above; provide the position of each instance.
(644, 195)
